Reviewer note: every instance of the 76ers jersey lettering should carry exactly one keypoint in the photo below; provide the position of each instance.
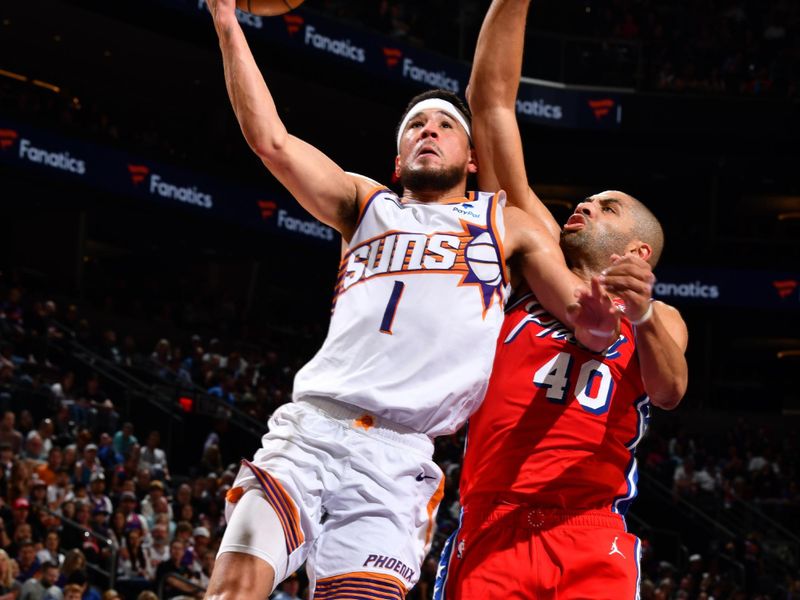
(559, 423)
(417, 307)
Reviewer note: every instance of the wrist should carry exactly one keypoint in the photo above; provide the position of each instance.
(648, 314)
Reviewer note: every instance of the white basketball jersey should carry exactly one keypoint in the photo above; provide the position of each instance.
(417, 310)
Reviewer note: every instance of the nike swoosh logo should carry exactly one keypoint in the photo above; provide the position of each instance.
(423, 477)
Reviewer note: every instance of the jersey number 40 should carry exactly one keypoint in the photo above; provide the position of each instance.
(592, 389)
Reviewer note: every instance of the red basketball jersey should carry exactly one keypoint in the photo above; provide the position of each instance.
(559, 423)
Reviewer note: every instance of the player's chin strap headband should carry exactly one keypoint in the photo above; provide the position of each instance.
(438, 104)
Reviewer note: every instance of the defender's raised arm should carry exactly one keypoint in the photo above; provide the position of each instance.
(492, 95)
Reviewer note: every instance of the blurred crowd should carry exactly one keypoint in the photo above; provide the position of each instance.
(709, 47)
(87, 501)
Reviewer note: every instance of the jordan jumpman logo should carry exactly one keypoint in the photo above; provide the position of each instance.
(614, 549)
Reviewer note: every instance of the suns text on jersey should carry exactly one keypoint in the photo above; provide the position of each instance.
(396, 252)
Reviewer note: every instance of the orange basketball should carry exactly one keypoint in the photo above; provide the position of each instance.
(268, 8)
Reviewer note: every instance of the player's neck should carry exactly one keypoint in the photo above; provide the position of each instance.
(585, 271)
(433, 196)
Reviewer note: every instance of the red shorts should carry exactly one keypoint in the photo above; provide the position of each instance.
(511, 552)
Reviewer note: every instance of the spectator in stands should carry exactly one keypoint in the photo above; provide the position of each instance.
(21, 513)
(38, 493)
(5, 541)
(166, 571)
(212, 460)
(47, 471)
(110, 350)
(182, 497)
(155, 496)
(106, 417)
(51, 553)
(74, 561)
(9, 586)
(156, 550)
(153, 458)
(8, 432)
(33, 454)
(11, 313)
(46, 431)
(97, 495)
(29, 565)
(106, 453)
(201, 538)
(78, 586)
(43, 585)
(88, 466)
(60, 491)
(124, 440)
(288, 589)
(132, 565)
(127, 504)
(73, 591)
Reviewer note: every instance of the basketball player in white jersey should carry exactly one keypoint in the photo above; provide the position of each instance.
(344, 479)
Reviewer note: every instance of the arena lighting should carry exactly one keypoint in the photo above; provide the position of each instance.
(187, 403)
(788, 216)
(47, 86)
(789, 354)
(11, 75)
(43, 84)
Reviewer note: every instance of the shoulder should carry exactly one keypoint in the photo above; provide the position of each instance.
(524, 233)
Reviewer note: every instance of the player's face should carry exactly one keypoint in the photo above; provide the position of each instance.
(602, 223)
(435, 152)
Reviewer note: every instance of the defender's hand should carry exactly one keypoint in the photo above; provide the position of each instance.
(631, 279)
(594, 317)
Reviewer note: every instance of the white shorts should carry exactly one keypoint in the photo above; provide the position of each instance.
(353, 495)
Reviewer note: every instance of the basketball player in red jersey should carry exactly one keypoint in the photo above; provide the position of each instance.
(549, 469)
(344, 481)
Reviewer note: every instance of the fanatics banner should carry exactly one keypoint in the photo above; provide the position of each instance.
(542, 102)
(52, 155)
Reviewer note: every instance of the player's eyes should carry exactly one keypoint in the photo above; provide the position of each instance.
(415, 124)
(607, 209)
(447, 125)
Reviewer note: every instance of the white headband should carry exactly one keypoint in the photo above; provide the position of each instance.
(439, 104)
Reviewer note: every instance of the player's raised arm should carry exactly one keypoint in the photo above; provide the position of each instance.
(492, 95)
(661, 334)
(539, 260)
(318, 184)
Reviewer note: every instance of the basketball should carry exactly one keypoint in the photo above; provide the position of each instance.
(482, 259)
(267, 8)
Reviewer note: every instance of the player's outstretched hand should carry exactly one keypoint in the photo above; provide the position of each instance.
(594, 317)
(631, 279)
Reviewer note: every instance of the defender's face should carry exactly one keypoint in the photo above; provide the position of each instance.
(604, 213)
(434, 141)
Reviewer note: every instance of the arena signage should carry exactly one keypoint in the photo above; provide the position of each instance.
(542, 102)
(117, 172)
(728, 287)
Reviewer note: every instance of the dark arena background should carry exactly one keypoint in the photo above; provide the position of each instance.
(152, 272)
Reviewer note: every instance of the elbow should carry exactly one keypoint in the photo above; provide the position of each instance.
(268, 145)
(669, 396)
(483, 96)
(268, 150)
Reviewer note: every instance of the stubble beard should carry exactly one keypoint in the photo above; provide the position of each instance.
(591, 249)
(423, 179)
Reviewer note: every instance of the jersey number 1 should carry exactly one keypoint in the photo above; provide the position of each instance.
(593, 387)
(391, 308)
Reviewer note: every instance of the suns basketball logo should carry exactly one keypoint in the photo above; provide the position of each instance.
(472, 253)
